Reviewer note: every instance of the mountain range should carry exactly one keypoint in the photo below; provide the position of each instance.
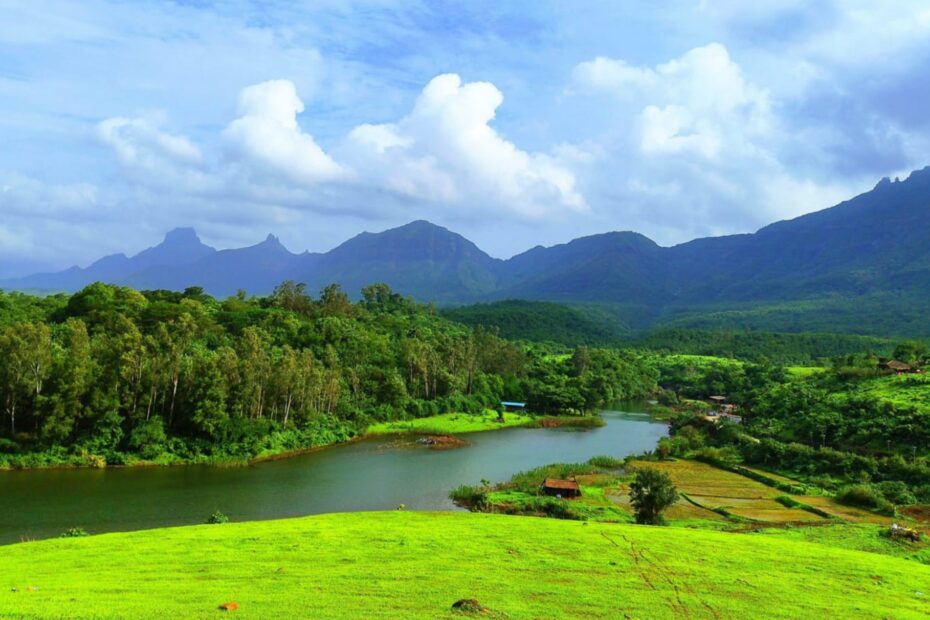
(870, 254)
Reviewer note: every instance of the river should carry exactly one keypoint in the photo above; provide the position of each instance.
(374, 474)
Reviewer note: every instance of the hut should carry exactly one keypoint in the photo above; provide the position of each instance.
(899, 368)
(510, 405)
(561, 488)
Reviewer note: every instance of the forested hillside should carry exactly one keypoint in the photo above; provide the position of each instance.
(111, 374)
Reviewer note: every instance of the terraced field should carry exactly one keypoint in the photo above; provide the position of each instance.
(846, 513)
(713, 490)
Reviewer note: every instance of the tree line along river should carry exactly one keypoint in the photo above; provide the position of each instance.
(378, 473)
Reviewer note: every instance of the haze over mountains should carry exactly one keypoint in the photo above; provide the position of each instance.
(876, 245)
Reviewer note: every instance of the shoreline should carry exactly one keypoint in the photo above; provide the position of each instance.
(532, 421)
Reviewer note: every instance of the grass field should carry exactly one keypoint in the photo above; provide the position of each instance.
(901, 390)
(415, 565)
(856, 537)
(451, 423)
(803, 372)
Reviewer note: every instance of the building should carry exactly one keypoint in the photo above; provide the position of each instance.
(510, 405)
(561, 488)
(899, 368)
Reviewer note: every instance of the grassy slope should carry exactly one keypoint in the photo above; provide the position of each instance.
(451, 423)
(415, 565)
(902, 390)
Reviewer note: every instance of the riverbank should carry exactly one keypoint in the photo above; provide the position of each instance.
(416, 565)
(378, 473)
(444, 424)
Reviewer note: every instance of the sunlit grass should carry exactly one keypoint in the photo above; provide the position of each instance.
(415, 565)
(451, 423)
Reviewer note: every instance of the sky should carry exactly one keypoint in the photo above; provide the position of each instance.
(515, 124)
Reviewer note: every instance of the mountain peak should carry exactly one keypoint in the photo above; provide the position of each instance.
(181, 246)
(273, 242)
(182, 236)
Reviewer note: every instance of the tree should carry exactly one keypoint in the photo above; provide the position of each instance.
(581, 359)
(651, 493)
(335, 302)
(293, 297)
(910, 351)
(73, 370)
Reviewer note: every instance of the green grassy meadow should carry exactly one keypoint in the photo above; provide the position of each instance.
(901, 390)
(415, 565)
(452, 423)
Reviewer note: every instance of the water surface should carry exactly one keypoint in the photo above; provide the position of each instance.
(375, 474)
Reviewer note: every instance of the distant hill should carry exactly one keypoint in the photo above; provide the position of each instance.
(862, 266)
(542, 321)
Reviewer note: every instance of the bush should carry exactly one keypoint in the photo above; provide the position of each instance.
(217, 518)
(148, 439)
(865, 496)
(551, 507)
(922, 493)
(468, 496)
(74, 532)
(896, 492)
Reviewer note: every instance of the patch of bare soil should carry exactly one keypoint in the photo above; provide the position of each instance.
(442, 442)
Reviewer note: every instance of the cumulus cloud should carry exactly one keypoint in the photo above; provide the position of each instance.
(443, 153)
(698, 103)
(268, 140)
(153, 155)
(707, 144)
(445, 150)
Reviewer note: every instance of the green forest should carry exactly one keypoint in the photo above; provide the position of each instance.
(850, 425)
(111, 375)
(606, 325)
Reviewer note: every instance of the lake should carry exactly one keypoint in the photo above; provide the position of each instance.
(374, 474)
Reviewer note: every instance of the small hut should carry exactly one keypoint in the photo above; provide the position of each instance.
(561, 488)
(899, 368)
(511, 405)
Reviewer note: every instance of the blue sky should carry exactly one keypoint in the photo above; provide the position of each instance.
(516, 124)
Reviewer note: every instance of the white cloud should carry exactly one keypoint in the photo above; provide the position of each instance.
(443, 153)
(267, 136)
(152, 155)
(706, 146)
(446, 151)
(26, 197)
(698, 103)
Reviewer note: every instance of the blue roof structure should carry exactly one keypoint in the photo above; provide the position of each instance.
(510, 403)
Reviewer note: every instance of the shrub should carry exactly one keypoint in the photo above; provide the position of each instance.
(896, 492)
(551, 507)
(8, 446)
(468, 496)
(922, 493)
(217, 518)
(148, 439)
(864, 496)
(74, 532)
(606, 462)
(651, 492)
